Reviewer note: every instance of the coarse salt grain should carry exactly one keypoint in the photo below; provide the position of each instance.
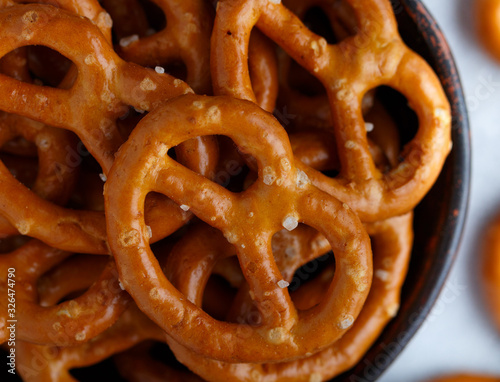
(290, 223)
(159, 70)
(283, 284)
(126, 41)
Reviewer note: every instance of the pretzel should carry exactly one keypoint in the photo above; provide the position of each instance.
(67, 323)
(105, 96)
(88, 226)
(491, 270)
(314, 110)
(185, 38)
(154, 171)
(392, 242)
(343, 70)
(392, 247)
(488, 25)
(466, 378)
(38, 363)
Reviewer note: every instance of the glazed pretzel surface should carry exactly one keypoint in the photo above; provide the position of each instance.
(104, 88)
(293, 199)
(344, 71)
(392, 241)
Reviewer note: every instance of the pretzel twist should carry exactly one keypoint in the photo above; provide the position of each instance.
(391, 241)
(343, 70)
(281, 335)
(70, 322)
(38, 363)
(392, 247)
(111, 78)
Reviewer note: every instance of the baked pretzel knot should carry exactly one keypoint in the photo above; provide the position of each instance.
(375, 56)
(280, 198)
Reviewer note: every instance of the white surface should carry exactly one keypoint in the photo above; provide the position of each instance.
(458, 335)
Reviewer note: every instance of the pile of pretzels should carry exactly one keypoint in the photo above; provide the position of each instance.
(214, 176)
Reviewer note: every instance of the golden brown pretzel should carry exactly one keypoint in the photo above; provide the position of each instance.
(392, 242)
(490, 270)
(70, 322)
(130, 83)
(186, 37)
(38, 363)
(106, 83)
(343, 70)
(488, 25)
(293, 199)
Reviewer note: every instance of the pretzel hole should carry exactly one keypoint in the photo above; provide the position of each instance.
(218, 297)
(334, 22)
(154, 14)
(176, 68)
(160, 352)
(24, 169)
(12, 243)
(47, 66)
(391, 119)
(105, 368)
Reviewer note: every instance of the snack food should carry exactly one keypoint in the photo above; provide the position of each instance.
(275, 283)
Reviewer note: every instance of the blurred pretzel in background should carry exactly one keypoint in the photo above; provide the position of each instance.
(140, 216)
(488, 25)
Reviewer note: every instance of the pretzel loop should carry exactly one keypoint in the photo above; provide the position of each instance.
(280, 336)
(99, 93)
(344, 72)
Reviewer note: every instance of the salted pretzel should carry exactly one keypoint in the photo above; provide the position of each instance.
(148, 88)
(38, 363)
(294, 200)
(488, 25)
(392, 242)
(185, 38)
(344, 71)
(106, 96)
(314, 110)
(70, 322)
(55, 179)
(467, 378)
(490, 270)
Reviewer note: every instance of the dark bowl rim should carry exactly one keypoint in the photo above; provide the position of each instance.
(448, 246)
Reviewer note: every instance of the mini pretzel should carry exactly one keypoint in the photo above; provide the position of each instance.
(488, 25)
(106, 83)
(247, 221)
(55, 179)
(83, 231)
(392, 243)
(491, 270)
(345, 72)
(67, 323)
(38, 363)
(186, 37)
